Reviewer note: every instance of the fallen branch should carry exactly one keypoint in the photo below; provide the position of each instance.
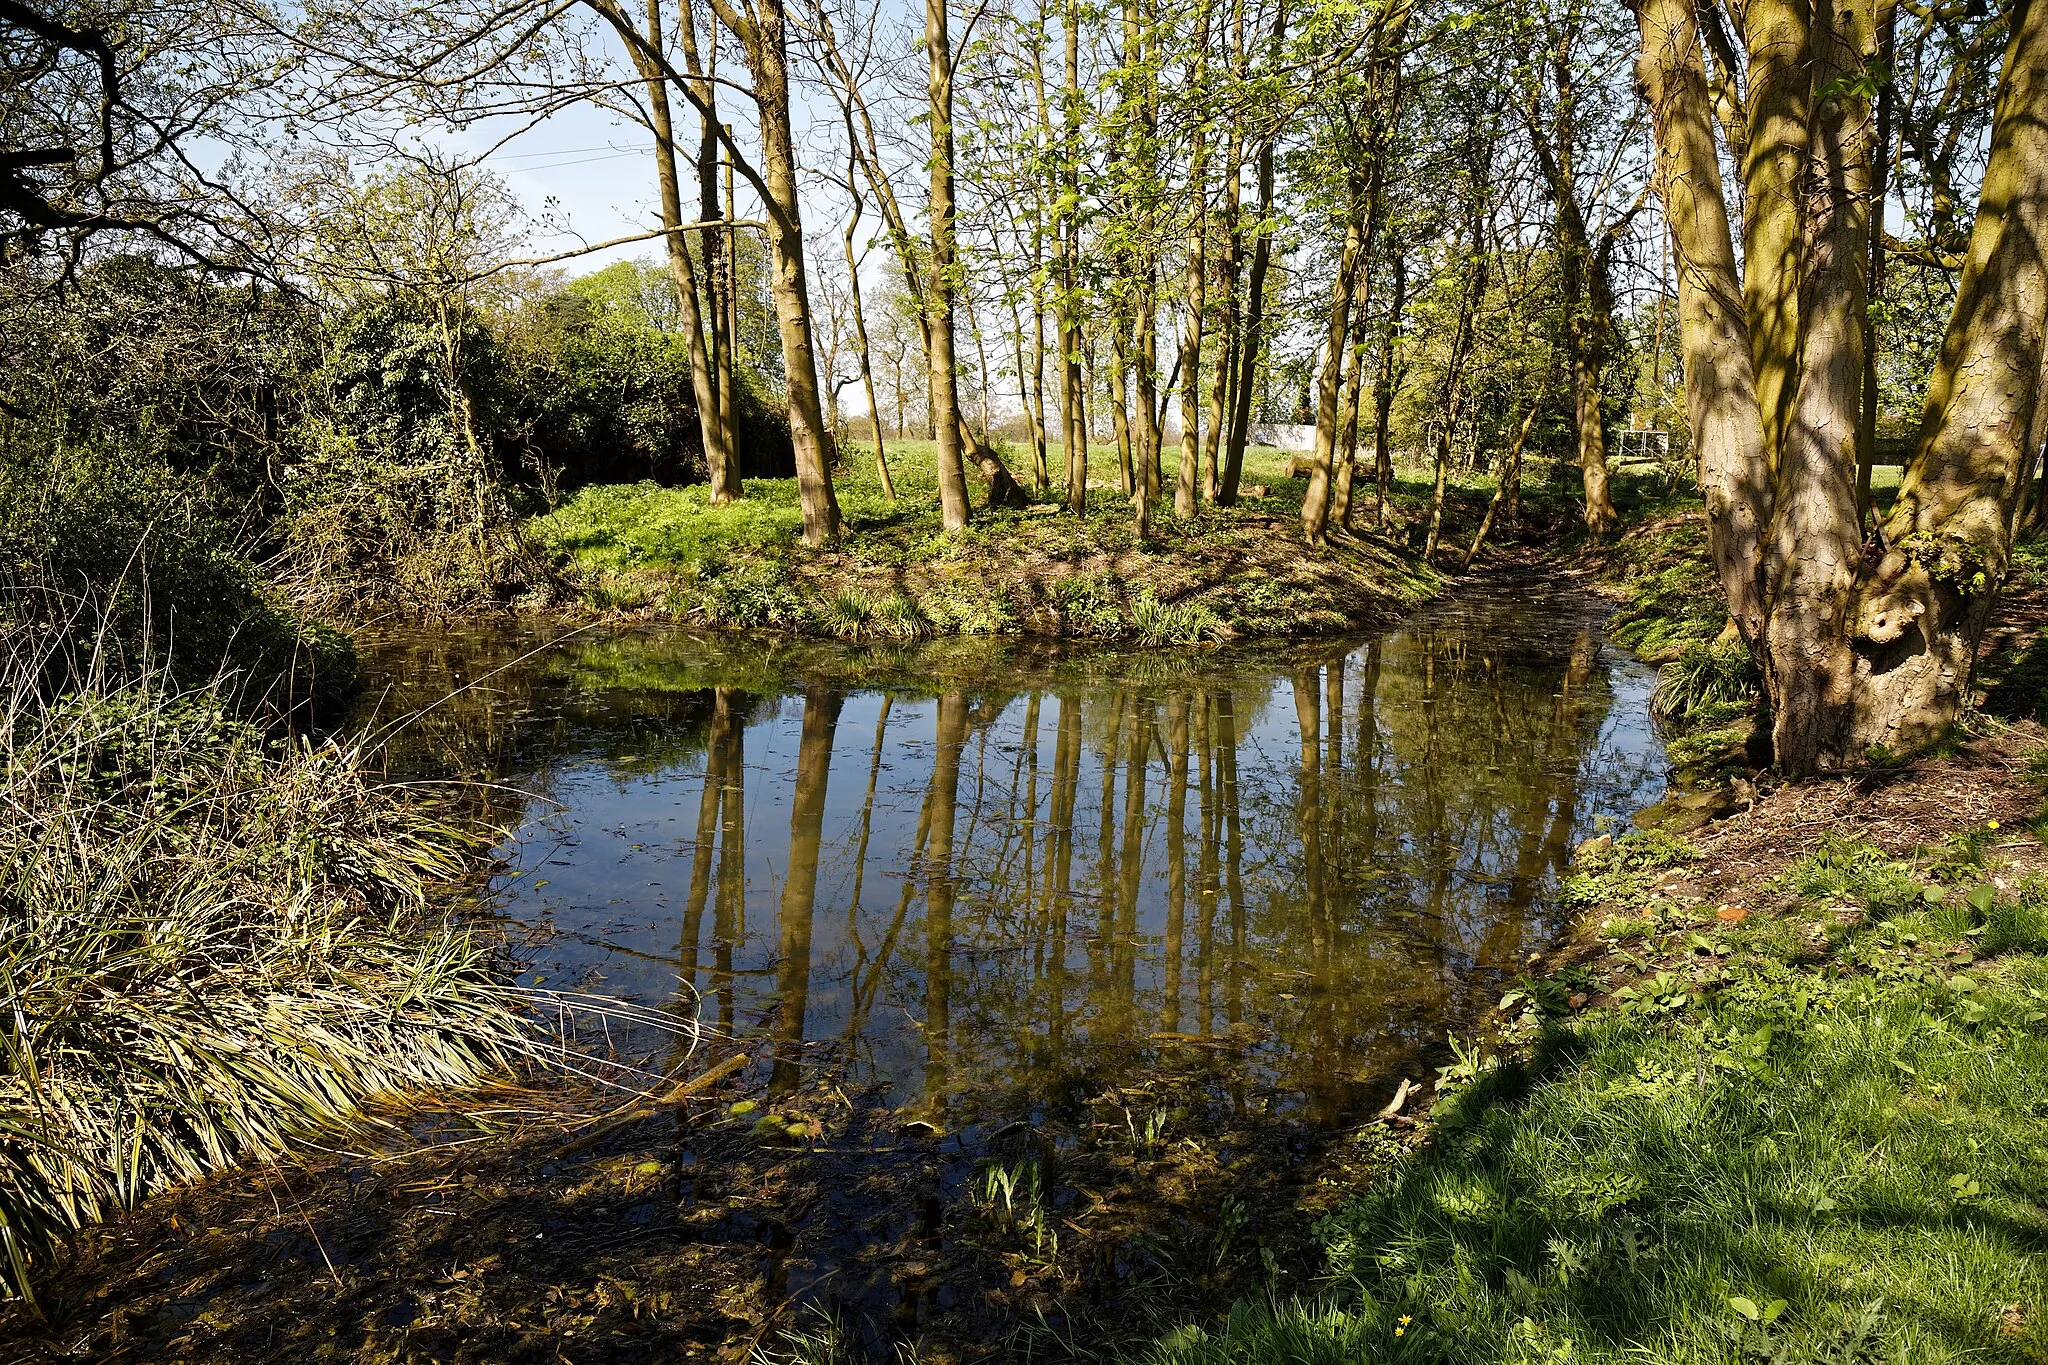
(681, 1091)
(1401, 1095)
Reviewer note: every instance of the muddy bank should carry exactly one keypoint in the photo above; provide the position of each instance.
(693, 1236)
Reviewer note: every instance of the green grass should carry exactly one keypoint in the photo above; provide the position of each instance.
(213, 944)
(619, 526)
(1826, 1140)
(897, 574)
(622, 526)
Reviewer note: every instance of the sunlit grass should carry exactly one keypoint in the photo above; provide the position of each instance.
(1835, 1151)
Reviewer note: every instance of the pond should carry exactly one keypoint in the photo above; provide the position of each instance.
(980, 879)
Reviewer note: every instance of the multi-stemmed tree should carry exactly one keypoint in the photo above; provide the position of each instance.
(1866, 629)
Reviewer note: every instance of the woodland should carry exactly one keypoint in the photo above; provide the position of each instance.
(947, 348)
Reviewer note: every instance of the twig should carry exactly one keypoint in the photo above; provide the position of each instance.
(682, 1091)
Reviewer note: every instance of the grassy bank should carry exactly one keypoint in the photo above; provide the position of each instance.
(215, 942)
(1785, 1098)
(896, 574)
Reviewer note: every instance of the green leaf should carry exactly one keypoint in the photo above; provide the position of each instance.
(1746, 1307)
(1982, 898)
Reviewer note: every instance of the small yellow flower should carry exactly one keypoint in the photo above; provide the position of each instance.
(1400, 1331)
(1405, 1319)
(1993, 824)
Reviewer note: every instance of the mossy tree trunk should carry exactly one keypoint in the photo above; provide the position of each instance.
(760, 32)
(1863, 643)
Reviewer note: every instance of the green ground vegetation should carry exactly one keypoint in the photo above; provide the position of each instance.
(896, 574)
(220, 933)
(1816, 1133)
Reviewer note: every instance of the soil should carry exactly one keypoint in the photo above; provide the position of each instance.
(706, 1233)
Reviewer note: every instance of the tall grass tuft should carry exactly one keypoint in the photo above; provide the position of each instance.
(1707, 684)
(212, 941)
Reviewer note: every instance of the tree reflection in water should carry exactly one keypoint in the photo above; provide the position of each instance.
(1307, 863)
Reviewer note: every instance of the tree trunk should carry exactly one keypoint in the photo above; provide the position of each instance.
(860, 337)
(1250, 342)
(1866, 426)
(719, 459)
(1119, 415)
(1145, 385)
(1250, 339)
(1504, 489)
(1590, 423)
(1774, 34)
(713, 251)
(1588, 293)
(1315, 503)
(1068, 235)
(1383, 392)
(1452, 403)
(945, 384)
(1921, 611)
(1220, 389)
(1812, 547)
(1197, 286)
(1713, 329)
(1347, 417)
(1040, 472)
(761, 37)
(1862, 646)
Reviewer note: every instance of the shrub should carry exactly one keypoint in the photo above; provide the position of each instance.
(899, 616)
(123, 556)
(846, 613)
(1173, 623)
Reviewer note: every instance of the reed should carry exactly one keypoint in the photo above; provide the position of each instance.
(214, 940)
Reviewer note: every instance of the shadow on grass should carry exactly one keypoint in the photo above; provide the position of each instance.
(1637, 1186)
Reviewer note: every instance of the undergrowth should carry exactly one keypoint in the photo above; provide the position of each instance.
(214, 940)
(1708, 685)
(897, 574)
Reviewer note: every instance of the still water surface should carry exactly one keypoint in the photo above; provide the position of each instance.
(977, 874)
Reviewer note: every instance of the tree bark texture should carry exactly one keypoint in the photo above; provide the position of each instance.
(952, 476)
(1863, 642)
